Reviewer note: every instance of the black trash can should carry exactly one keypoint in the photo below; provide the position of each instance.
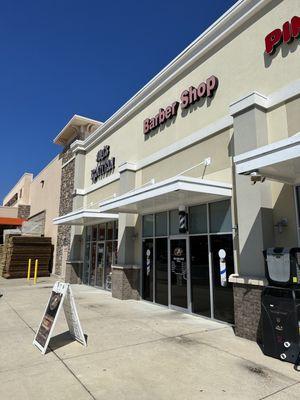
(280, 313)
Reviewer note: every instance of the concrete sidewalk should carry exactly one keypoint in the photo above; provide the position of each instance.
(135, 351)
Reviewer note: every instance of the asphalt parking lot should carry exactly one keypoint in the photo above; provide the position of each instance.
(135, 350)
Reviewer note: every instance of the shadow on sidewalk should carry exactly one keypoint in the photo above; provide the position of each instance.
(61, 340)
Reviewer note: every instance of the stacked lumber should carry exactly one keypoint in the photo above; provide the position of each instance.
(1, 258)
(18, 250)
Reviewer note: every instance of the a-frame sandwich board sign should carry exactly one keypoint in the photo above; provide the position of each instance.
(61, 296)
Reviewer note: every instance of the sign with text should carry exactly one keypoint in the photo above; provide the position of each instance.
(105, 164)
(290, 31)
(61, 296)
(187, 98)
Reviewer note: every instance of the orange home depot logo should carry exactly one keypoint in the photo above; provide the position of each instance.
(290, 31)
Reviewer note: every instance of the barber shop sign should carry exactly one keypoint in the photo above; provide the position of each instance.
(187, 98)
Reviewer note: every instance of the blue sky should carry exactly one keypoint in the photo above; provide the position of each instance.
(60, 58)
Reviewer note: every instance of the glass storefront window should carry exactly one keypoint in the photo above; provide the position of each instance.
(198, 219)
(110, 230)
(161, 224)
(94, 232)
(148, 225)
(174, 222)
(220, 217)
(115, 252)
(101, 232)
(115, 235)
(147, 272)
(161, 271)
(86, 264)
(88, 233)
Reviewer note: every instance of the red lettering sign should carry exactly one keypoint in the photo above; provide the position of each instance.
(188, 97)
(289, 32)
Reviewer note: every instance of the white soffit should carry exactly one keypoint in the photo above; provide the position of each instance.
(278, 161)
(84, 217)
(168, 194)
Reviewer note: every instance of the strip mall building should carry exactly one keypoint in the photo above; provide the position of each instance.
(173, 199)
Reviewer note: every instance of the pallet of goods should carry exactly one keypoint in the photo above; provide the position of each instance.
(18, 250)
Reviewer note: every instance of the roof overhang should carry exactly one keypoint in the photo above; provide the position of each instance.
(168, 194)
(77, 121)
(84, 217)
(278, 161)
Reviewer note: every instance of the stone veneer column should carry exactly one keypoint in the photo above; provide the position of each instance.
(126, 275)
(65, 206)
(247, 306)
(74, 265)
(23, 211)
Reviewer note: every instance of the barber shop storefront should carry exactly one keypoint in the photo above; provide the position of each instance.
(178, 193)
(184, 269)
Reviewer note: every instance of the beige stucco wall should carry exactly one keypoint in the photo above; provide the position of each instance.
(284, 120)
(46, 198)
(241, 66)
(104, 193)
(284, 208)
(22, 188)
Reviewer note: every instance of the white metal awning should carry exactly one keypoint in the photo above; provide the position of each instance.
(84, 217)
(168, 194)
(278, 161)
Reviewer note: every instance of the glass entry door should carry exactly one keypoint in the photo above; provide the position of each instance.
(179, 272)
(100, 265)
(223, 267)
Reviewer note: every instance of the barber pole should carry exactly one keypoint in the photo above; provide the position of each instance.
(183, 220)
(223, 272)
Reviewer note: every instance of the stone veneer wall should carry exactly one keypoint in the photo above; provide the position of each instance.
(23, 211)
(247, 311)
(125, 282)
(65, 206)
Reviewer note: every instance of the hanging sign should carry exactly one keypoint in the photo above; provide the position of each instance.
(61, 296)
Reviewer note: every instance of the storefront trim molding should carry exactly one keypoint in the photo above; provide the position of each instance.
(256, 99)
(247, 280)
(197, 136)
(98, 185)
(229, 22)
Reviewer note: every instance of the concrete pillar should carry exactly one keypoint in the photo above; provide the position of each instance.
(125, 276)
(253, 202)
(127, 222)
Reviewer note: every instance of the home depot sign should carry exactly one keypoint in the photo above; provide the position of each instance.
(187, 98)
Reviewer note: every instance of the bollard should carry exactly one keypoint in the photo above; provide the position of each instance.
(35, 271)
(29, 269)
